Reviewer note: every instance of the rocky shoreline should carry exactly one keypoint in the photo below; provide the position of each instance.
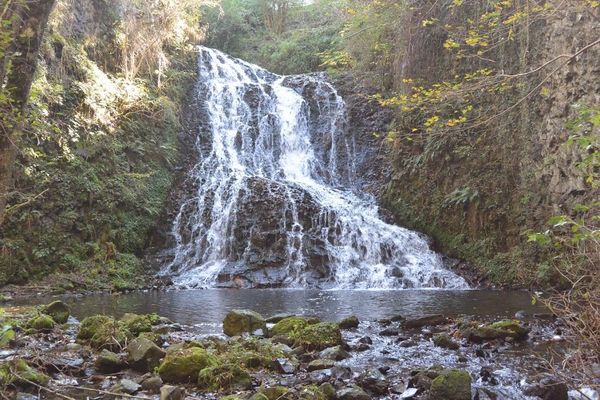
(48, 354)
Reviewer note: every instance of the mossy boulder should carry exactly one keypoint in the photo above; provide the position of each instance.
(139, 323)
(58, 310)
(237, 322)
(90, 325)
(453, 384)
(498, 330)
(445, 341)
(19, 373)
(111, 336)
(319, 336)
(185, 364)
(291, 326)
(108, 362)
(41, 323)
(227, 378)
(349, 323)
(143, 355)
(273, 392)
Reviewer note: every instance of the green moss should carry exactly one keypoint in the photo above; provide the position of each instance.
(311, 392)
(237, 322)
(498, 330)
(90, 325)
(226, 377)
(137, 323)
(112, 336)
(58, 310)
(250, 353)
(273, 392)
(291, 325)
(41, 323)
(18, 372)
(445, 341)
(451, 385)
(184, 365)
(319, 336)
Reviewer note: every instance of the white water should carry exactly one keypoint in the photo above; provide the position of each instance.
(261, 126)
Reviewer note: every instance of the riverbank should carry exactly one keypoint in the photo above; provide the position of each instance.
(288, 357)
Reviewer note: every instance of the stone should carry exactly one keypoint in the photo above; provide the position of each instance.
(584, 394)
(336, 353)
(498, 330)
(349, 323)
(41, 323)
(430, 320)
(311, 392)
(521, 314)
(152, 384)
(409, 393)
(445, 341)
(237, 322)
(319, 336)
(169, 392)
(319, 364)
(390, 332)
(291, 326)
(224, 377)
(320, 376)
(548, 389)
(485, 394)
(184, 365)
(108, 362)
(373, 381)
(90, 325)
(352, 393)
(451, 384)
(143, 355)
(26, 374)
(328, 390)
(284, 365)
(137, 323)
(26, 396)
(127, 386)
(273, 392)
(58, 311)
(278, 317)
(408, 343)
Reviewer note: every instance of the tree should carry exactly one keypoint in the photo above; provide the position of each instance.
(23, 24)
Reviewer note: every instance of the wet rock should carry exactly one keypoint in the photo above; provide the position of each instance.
(41, 323)
(430, 320)
(451, 384)
(320, 376)
(273, 392)
(361, 347)
(311, 392)
(90, 325)
(341, 372)
(409, 393)
(548, 389)
(108, 362)
(26, 396)
(127, 386)
(153, 337)
(485, 394)
(421, 379)
(184, 365)
(336, 353)
(58, 311)
(319, 336)
(408, 343)
(349, 323)
(168, 392)
(384, 369)
(366, 340)
(498, 330)
(390, 332)
(328, 390)
(104, 333)
(278, 317)
(144, 355)
(521, 314)
(487, 376)
(373, 381)
(352, 393)
(584, 394)
(224, 377)
(320, 364)
(284, 366)
(152, 384)
(237, 322)
(445, 341)
(544, 316)
(291, 326)
(139, 323)
(397, 318)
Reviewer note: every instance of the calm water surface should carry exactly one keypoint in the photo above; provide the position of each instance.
(208, 307)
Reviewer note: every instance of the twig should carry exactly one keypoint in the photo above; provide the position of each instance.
(129, 396)
(43, 388)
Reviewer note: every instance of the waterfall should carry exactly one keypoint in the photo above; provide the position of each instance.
(274, 201)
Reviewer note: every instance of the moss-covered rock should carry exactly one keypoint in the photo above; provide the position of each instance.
(498, 330)
(143, 355)
(311, 392)
(319, 336)
(140, 323)
(453, 384)
(349, 323)
(19, 373)
(58, 310)
(237, 322)
(41, 323)
(291, 325)
(90, 325)
(273, 392)
(445, 341)
(108, 362)
(228, 377)
(185, 364)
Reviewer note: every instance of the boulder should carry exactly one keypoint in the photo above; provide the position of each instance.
(144, 355)
(152, 383)
(336, 353)
(90, 325)
(451, 384)
(445, 341)
(498, 330)
(227, 377)
(58, 310)
(169, 392)
(41, 323)
(18, 372)
(319, 336)
(291, 326)
(127, 386)
(352, 393)
(237, 322)
(184, 365)
(284, 365)
(349, 323)
(278, 317)
(273, 392)
(311, 392)
(319, 364)
(373, 381)
(138, 323)
(430, 320)
(108, 362)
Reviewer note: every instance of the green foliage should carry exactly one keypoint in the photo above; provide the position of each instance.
(461, 197)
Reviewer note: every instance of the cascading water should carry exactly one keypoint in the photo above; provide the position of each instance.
(275, 202)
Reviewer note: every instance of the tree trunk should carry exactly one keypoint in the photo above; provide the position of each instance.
(28, 32)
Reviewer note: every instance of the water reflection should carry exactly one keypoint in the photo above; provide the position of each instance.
(207, 308)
